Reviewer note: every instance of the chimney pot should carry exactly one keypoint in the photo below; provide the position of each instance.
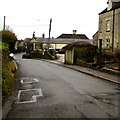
(74, 31)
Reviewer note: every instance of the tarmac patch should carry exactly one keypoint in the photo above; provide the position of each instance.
(29, 95)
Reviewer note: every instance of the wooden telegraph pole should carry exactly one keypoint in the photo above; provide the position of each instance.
(49, 33)
(4, 23)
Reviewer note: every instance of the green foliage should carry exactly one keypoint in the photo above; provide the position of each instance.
(117, 56)
(10, 38)
(3, 46)
(83, 63)
(109, 57)
(20, 49)
(110, 71)
(36, 53)
(8, 77)
(7, 84)
(86, 53)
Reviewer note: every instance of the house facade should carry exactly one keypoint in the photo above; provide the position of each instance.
(109, 26)
(19, 43)
(95, 39)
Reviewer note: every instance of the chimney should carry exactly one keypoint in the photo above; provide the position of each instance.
(43, 35)
(109, 5)
(74, 32)
(112, 4)
(34, 34)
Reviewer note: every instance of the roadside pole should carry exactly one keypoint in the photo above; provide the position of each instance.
(49, 33)
(4, 23)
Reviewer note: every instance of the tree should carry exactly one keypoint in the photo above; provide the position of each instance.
(10, 38)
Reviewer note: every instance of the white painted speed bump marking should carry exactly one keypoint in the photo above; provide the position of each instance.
(32, 97)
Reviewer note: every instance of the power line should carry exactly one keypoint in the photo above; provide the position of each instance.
(29, 25)
(23, 18)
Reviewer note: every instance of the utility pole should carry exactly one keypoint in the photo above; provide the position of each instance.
(49, 32)
(4, 23)
(50, 27)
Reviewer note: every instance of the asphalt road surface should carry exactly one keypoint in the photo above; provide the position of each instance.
(47, 90)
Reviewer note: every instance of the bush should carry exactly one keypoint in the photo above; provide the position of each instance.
(8, 77)
(36, 53)
(47, 55)
(20, 49)
(9, 38)
(105, 57)
(4, 46)
(83, 63)
(86, 53)
(117, 57)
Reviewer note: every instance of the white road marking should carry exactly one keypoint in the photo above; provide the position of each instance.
(34, 80)
(34, 97)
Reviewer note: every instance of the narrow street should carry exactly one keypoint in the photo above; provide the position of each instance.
(47, 90)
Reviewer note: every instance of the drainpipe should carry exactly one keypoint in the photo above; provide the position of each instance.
(113, 30)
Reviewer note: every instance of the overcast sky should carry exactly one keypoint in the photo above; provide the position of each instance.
(26, 16)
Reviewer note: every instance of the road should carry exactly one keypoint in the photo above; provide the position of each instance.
(47, 90)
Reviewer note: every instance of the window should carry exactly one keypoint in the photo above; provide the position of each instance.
(101, 25)
(108, 25)
(108, 43)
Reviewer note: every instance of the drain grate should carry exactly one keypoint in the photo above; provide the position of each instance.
(29, 95)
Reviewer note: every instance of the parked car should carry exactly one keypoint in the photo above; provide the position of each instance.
(26, 56)
(61, 51)
(52, 51)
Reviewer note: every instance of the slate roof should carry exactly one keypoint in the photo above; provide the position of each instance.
(27, 39)
(80, 43)
(114, 0)
(60, 41)
(73, 36)
(115, 7)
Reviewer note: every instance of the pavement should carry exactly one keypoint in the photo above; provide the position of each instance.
(92, 72)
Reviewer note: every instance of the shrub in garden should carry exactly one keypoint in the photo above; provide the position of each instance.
(36, 53)
(117, 56)
(48, 55)
(86, 52)
(106, 57)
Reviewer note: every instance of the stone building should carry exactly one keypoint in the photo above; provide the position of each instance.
(95, 39)
(109, 26)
